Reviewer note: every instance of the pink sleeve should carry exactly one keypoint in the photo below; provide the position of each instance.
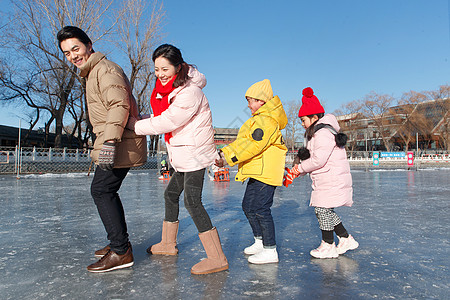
(322, 146)
(180, 112)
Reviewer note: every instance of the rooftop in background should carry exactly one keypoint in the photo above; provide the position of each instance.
(224, 136)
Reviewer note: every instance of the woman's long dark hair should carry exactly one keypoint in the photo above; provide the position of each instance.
(310, 130)
(173, 55)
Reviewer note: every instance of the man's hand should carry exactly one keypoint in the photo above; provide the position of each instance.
(106, 156)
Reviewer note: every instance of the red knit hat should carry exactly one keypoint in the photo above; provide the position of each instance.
(310, 104)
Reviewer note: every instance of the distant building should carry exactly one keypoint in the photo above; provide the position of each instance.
(424, 125)
(224, 136)
(9, 137)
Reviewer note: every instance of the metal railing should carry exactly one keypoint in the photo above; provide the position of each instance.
(421, 158)
(15, 160)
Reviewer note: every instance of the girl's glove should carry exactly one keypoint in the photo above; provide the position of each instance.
(106, 156)
(290, 176)
(295, 170)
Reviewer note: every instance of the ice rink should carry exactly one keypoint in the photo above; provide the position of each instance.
(50, 229)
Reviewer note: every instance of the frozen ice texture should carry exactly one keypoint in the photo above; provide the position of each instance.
(50, 229)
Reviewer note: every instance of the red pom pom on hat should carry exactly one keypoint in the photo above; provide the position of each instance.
(308, 92)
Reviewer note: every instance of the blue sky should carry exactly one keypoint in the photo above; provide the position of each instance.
(342, 49)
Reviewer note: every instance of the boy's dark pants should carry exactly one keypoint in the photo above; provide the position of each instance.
(104, 189)
(258, 199)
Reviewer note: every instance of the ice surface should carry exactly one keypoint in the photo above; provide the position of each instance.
(50, 229)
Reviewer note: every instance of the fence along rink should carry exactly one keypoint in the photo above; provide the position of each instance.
(55, 160)
(422, 159)
(63, 160)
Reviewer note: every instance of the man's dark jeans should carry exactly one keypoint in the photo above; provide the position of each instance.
(192, 184)
(258, 199)
(104, 189)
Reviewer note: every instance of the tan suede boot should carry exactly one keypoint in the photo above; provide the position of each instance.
(216, 260)
(168, 244)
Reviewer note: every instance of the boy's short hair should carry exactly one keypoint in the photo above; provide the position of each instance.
(69, 32)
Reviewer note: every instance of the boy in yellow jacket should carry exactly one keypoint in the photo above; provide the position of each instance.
(260, 152)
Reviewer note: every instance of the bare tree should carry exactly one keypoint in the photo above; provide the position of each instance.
(34, 71)
(293, 127)
(408, 117)
(348, 120)
(376, 107)
(442, 128)
(80, 127)
(139, 29)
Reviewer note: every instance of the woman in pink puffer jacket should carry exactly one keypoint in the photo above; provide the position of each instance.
(326, 161)
(181, 112)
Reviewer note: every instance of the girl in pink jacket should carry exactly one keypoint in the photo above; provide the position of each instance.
(181, 112)
(326, 161)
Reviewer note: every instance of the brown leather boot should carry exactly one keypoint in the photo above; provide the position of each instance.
(112, 261)
(216, 260)
(168, 244)
(102, 252)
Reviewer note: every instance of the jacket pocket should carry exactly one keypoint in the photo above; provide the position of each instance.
(253, 167)
(204, 135)
(322, 170)
(182, 140)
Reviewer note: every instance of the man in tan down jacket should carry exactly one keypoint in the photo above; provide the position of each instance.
(116, 149)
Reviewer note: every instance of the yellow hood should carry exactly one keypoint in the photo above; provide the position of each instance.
(274, 109)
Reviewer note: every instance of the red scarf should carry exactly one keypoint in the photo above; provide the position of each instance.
(160, 100)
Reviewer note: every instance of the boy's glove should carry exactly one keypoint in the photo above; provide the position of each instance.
(290, 176)
(106, 156)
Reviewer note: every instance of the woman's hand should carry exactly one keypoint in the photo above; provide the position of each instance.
(220, 163)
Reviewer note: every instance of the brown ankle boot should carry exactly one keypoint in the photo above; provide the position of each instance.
(168, 244)
(112, 261)
(216, 260)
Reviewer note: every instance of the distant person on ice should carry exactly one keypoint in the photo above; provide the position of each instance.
(116, 149)
(260, 152)
(325, 159)
(182, 113)
(165, 167)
